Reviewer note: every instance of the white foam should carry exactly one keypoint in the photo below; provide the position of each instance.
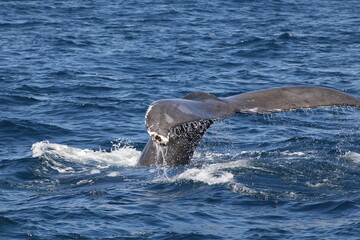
(355, 157)
(125, 156)
(288, 153)
(207, 176)
(113, 174)
(324, 184)
(285, 153)
(218, 173)
(95, 171)
(211, 174)
(84, 182)
(241, 188)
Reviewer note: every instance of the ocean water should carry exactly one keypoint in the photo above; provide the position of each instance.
(77, 78)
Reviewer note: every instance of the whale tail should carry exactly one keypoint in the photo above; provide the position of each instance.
(177, 125)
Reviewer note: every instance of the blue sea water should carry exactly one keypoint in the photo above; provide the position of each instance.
(77, 78)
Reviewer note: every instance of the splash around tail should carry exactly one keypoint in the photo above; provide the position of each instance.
(56, 153)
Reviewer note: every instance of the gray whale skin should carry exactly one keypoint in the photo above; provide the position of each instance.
(177, 125)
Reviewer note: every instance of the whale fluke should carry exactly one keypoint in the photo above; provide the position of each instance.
(177, 125)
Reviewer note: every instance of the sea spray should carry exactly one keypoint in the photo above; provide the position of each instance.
(161, 166)
(119, 156)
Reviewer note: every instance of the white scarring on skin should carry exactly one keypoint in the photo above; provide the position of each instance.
(168, 119)
(185, 110)
(254, 110)
(148, 110)
(159, 139)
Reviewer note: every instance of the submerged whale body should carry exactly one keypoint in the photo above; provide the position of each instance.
(177, 125)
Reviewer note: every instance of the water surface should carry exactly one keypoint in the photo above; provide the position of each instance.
(78, 76)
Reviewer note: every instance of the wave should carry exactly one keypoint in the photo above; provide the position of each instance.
(54, 153)
(14, 100)
(15, 128)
